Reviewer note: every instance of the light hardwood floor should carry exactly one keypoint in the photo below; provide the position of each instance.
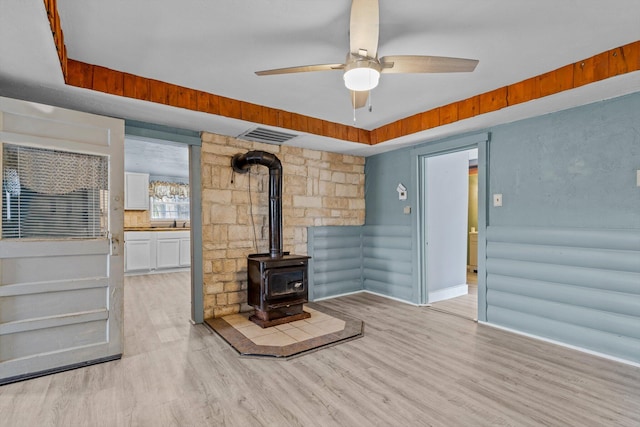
(415, 366)
(464, 306)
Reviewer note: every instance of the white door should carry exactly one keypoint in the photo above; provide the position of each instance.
(61, 268)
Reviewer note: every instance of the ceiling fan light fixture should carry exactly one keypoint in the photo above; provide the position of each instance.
(361, 78)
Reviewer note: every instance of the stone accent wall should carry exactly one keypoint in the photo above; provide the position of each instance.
(319, 188)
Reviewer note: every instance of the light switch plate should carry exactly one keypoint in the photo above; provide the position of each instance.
(407, 210)
(638, 177)
(497, 200)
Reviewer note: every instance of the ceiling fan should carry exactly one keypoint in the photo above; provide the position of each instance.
(362, 67)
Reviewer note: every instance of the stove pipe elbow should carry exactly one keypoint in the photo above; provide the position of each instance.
(241, 163)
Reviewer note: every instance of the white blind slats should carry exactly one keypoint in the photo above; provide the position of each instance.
(53, 194)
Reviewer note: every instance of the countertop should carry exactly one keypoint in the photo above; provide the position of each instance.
(156, 229)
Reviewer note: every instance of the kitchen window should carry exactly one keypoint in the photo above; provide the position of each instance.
(169, 200)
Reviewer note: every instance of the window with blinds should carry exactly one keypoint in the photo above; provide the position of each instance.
(50, 194)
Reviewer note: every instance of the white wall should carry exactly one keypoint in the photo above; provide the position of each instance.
(446, 181)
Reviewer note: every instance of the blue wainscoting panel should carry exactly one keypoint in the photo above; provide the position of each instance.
(387, 266)
(336, 260)
(574, 285)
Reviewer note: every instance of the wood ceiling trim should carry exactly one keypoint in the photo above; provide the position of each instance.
(113, 82)
(620, 60)
(51, 7)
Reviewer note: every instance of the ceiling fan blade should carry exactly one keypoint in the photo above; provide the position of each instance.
(364, 28)
(301, 69)
(359, 98)
(426, 64)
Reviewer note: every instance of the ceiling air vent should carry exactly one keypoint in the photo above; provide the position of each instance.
(267, 136)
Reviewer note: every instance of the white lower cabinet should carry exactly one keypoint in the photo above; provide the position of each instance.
(156, 250)
(185, 252)
(137, 251)
(168, 253)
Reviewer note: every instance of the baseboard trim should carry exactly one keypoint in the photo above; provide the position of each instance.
(346, 294)
(448, 293)
(161, 271)
(562, 344)
(372, 293)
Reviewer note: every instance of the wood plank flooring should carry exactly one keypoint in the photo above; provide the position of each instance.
(415, 366)
(465, 306)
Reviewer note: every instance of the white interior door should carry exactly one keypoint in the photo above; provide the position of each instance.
(61, 264)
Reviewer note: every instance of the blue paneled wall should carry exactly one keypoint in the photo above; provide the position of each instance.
(562, 253)
(336, 261)
(356, 258)
(576, 285)
(387, 266)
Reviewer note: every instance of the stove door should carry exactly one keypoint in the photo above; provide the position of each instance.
(286, 282)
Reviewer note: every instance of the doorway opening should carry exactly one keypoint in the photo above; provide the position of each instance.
(158, 217)
(450, 231)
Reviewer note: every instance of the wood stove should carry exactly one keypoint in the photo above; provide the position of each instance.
(277, 281)
(277, 288)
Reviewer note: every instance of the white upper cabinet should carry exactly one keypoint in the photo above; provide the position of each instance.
(136, 191)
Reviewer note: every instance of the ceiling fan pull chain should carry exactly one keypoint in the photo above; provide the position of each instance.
(354, 106)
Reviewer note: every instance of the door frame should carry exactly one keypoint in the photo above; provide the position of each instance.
(418, 169)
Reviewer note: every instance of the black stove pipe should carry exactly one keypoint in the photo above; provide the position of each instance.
(240, 164)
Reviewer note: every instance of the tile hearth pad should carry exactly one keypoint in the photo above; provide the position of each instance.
(324, 328)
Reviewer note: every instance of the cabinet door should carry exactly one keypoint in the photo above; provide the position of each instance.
(168, 253)
(473, 250)
(136, 191)
(137, 255)
(185, 252)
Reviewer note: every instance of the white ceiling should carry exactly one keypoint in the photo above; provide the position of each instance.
(157, 158)
(216, 46)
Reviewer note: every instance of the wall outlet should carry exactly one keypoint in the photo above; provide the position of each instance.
(497, 200)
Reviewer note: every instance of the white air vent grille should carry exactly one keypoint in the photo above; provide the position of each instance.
(267, 136)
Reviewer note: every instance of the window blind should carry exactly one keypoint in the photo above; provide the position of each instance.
(50, 194)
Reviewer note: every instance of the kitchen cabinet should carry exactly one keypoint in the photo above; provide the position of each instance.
(168, 253)
(136, 191)
(155, 251)
(473, 251)
(185, 252)
(137, 251)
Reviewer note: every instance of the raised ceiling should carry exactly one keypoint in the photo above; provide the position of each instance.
(215, 47)
(168, 160)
